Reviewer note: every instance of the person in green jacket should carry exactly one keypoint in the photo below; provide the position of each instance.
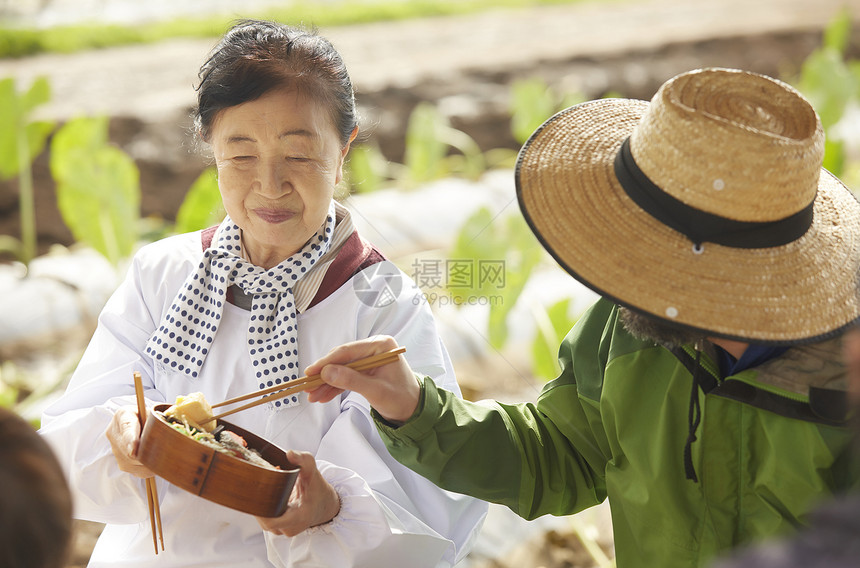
(832, 539)
(704, 393)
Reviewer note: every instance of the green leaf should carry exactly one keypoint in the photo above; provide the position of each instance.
(39, 93)
(9, 121)
(834, 157)
(202, 206)
(471, 163)
(20, 142)
(429, 139)
(553, 323)
(98, 187)
(15, 132)
(498, 253)
(838, 32)
(37, 136)
(425, 150)
(8, 396)
(532, 102)
(74, 141)
(366, 168)
(828, 83)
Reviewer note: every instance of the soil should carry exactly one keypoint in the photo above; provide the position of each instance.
(463, 65)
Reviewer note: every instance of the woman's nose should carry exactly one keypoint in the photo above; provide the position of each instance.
(274, 180)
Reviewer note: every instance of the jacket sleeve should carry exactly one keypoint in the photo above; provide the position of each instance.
(75, 424)
(389, 515)
(536, 459)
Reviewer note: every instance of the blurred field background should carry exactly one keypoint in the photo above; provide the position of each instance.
(448, 91)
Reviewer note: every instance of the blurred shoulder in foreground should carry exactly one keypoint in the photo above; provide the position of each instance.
(35, 503)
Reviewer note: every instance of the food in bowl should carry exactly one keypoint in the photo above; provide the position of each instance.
(218, 476)
(191, 415)
(193, 410)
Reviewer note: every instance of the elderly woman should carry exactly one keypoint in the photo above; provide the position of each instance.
(282, 280)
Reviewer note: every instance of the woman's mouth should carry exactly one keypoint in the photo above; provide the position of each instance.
(273, 216)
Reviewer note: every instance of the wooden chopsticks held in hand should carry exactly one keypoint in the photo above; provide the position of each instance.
(304, 383)
(151, 490)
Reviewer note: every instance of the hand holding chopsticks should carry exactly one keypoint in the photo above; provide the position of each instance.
(151, 490)
(304, 383)
(393, 391)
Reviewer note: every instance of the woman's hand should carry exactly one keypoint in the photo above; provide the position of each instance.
(391, 389)
(124, 436)
(313, 500)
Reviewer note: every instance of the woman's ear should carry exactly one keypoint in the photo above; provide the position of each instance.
(352, 136)
(343, 154)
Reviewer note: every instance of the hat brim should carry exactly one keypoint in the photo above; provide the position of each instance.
(569, 195)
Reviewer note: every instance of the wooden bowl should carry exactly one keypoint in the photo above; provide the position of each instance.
(216, 476)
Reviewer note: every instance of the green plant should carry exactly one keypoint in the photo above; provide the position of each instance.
(533, 101)
(21, 140)
(832, 83)
(429, 142)
(429, 139)
(202, 205)
(553, 323)
(24, 390)
(506, 242)
(366, 169)
(503, 239)
(18, 42)
(8, 393)
(98, 187)
(435, 149)
(507, 238)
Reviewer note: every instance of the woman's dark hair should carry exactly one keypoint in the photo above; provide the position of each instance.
(255, 57)
(35, 502)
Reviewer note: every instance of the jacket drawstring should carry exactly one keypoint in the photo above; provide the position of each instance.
(703, 380)
(694, 418)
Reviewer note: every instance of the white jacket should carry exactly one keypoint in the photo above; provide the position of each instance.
(389, 517)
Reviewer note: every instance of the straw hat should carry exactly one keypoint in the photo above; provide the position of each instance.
(725, 221)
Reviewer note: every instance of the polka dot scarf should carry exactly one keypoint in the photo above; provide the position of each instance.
(188, 328)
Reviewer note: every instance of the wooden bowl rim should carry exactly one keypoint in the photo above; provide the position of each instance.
(228, 426)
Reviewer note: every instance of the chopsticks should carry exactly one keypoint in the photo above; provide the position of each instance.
(304, 383)
(151, 490)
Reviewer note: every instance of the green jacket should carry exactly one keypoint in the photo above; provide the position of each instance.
(614, 424)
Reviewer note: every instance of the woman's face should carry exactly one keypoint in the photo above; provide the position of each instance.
(278, 158)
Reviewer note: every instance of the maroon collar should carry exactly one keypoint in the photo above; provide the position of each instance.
(355, 255)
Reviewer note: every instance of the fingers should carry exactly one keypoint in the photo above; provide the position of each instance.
(391, 389)
(352, 351)
(313, 500)
(123, 433)
(324, 393)
(303, 460)
(373, 383)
